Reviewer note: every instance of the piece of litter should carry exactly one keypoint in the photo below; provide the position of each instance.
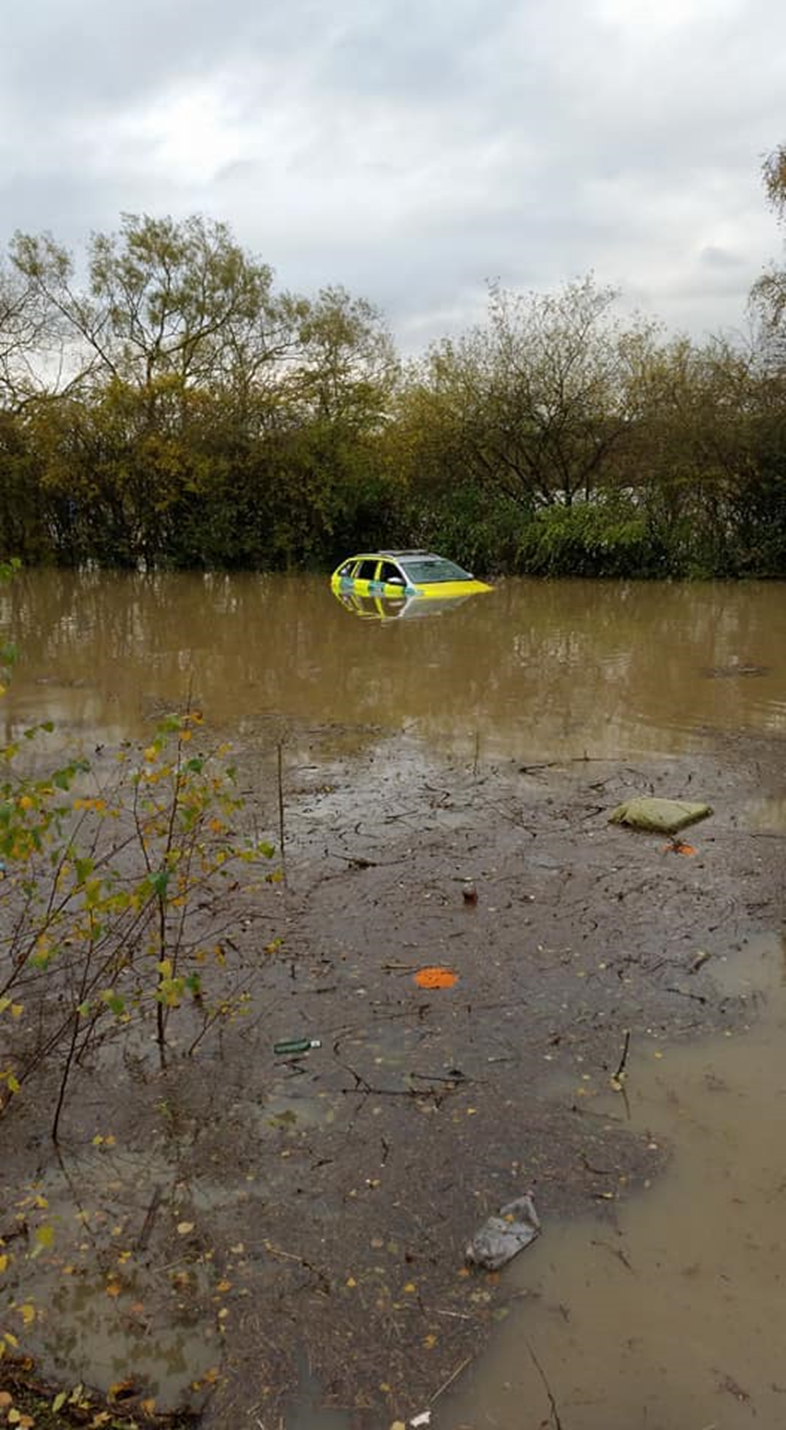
(501, 1237)
(423, 1419)
(434, 977)
(659, 816)
(296, 1045)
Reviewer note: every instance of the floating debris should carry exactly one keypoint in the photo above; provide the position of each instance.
(435, 978)
(501, 1237)
(296, 1046)
(659, 816)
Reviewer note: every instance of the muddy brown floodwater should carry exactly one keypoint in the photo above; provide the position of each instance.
(287, 1235)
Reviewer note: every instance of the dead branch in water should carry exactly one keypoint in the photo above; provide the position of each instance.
(546, 1386)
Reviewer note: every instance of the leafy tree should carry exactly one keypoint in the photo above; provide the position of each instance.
(538, 400)
(164, 298)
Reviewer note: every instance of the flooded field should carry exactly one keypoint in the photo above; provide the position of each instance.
(670, 1315)
(327, 1203)
(540, 670)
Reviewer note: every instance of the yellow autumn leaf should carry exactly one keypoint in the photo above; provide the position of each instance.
(59, 1401)
(120, 1387)
(184, 1227)
(28, 1313)
(410, 1287)
(350, 1281)
(113, 1288)
(3, 1262)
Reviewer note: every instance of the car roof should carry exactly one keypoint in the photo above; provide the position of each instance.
(396, 553)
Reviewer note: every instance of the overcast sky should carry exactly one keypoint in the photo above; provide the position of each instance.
(413, 149)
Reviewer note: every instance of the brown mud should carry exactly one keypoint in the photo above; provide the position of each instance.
(279, 1212)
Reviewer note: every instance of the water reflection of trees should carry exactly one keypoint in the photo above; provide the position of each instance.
(601, 667)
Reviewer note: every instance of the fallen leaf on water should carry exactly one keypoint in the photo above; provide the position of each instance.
(677, 846)
(121, 1390)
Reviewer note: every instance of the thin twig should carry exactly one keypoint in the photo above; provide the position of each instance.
(451, 1378)
(279, 749)
(624, 1058)
(547, 1387)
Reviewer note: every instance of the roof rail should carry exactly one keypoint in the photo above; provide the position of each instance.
(404, 551)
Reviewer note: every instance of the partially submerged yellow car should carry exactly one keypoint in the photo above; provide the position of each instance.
(404, 573)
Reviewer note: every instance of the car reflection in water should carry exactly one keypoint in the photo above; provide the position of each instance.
(396, 608)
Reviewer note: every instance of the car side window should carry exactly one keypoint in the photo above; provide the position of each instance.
(366, 571)
(390, 573)
(346, 569)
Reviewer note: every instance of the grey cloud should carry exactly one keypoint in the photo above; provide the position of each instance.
(411, 150)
